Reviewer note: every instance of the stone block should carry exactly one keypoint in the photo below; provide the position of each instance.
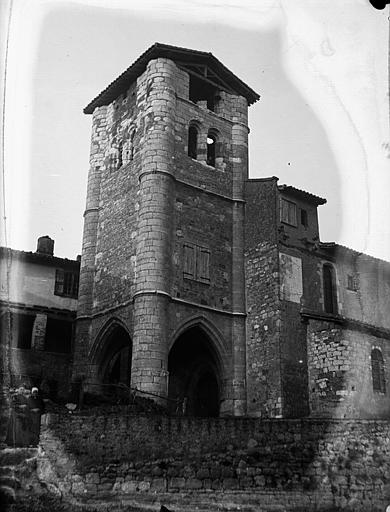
(159, 485)
(129, 486)
(176, 483)
(230, 483)
(144, 486)
(193, 483)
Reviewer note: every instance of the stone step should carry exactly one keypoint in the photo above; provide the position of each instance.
(9, 481)
(16, 456)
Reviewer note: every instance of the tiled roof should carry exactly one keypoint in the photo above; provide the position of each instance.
(120, 84)
(306, 196)
(37, 257)
(332, 247)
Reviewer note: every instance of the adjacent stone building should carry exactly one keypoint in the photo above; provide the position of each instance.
(318, 326)
(201, 285)
(38, 302)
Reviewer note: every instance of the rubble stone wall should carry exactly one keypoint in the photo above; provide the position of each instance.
(340, 375)
(337, 462)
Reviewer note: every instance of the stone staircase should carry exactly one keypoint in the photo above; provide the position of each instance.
(17, 474)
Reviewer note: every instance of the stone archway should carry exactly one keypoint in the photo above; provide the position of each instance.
(195, 373)
(112, 355)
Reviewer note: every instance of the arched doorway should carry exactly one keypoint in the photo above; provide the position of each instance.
(115, 366)
(194, 374)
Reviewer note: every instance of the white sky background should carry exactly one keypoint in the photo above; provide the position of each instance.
(322, 123)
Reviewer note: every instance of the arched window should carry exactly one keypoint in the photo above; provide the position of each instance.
(193, 141)
(378, 371)
(211, 148)
(329, 286)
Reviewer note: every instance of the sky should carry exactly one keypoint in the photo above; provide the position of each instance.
(322, 123)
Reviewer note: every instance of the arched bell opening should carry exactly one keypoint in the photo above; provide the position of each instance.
(194, 374)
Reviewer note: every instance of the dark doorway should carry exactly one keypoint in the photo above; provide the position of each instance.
(194, 380)
(116, 360)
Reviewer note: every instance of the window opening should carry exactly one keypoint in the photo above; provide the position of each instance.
(58, 337)
(132, 145)
(352, 283)
(193, 142)
(378, 371)
(304, 220)
(201, 90)
(330, 295)
(66, 283)
(288, 212)
(211, 144)
(23, 327)
(196, 262)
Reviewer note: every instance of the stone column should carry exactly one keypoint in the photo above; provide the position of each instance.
(157, 99)
(39, 332)
(91, 219)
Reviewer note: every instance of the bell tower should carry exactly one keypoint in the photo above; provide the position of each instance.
(163, 249)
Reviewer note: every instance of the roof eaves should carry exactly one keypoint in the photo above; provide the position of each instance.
(302, 193)
(333, 246)
(37, 257)
(117, 86)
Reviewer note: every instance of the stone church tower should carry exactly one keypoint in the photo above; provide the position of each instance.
(162, 294)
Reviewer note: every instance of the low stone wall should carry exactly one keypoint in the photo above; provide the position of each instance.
(322, 464)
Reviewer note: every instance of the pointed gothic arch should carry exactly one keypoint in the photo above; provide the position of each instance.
(112, 353)
(196, 369)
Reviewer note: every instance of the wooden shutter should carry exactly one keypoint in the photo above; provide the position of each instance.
(189, 261)
(203, 264)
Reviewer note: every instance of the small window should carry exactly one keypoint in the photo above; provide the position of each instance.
(329, 288)
(352, 283)
(196, 262)
(66, 284)
(211, 152)
(193, 142)
(131, 149)
(304, 220)
(288, 212)
(378, 371)
(58, 337)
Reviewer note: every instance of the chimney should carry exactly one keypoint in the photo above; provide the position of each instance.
(45, 245)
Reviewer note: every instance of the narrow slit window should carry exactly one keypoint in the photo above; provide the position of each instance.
(304, 220)
(193, 142)
(131, 155)
(378, 371)
(211, 144)
(330, 294)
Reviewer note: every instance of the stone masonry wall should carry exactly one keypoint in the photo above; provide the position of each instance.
(264, 391)
(322, 464)
(340, 378)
